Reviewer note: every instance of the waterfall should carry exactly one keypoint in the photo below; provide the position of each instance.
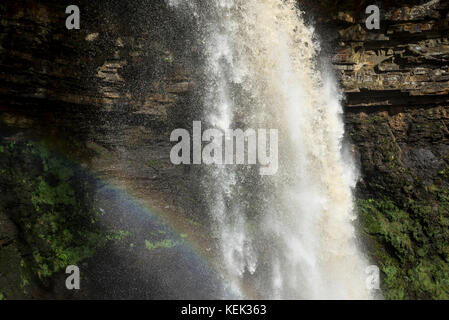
(289, 235)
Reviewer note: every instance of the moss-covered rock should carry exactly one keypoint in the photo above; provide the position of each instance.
(50, 202)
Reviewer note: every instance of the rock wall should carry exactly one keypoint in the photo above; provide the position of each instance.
(396, 83)
(109, 94)
(397, 77)
(106, 96)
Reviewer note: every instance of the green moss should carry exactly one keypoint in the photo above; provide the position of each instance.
(167, 243)
(410, 245)
(403, 209)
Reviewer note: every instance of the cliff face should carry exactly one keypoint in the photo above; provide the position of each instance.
(109, 94)
(396, 82)
(102, 99)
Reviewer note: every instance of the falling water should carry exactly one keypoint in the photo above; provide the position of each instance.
(290, 235)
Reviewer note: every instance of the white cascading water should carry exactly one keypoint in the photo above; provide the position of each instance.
(290, 235)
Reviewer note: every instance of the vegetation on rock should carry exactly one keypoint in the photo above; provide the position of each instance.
(50, 201)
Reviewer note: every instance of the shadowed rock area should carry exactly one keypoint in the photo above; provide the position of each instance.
(108, 95)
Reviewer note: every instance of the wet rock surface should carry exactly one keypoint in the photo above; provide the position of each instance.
(110, 93)
(396, 111)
